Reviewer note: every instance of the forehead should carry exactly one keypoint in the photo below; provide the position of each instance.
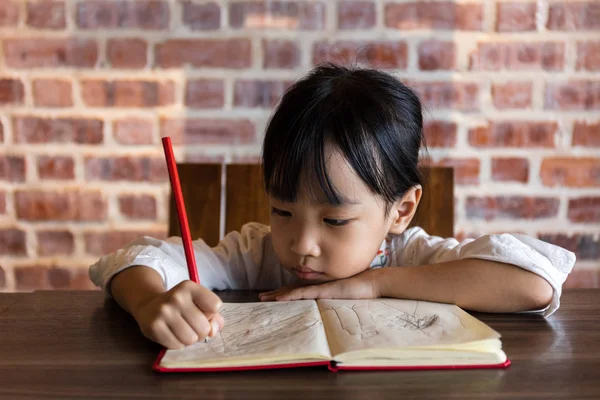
(341, 175)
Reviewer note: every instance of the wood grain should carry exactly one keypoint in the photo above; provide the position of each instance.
(201, 189)
(79, 345)
(245, 197)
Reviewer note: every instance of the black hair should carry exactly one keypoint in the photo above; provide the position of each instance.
(373, 119)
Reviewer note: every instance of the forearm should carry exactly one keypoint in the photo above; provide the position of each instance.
(472, 284)
(134, 285)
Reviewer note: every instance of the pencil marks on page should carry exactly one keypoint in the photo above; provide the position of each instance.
(261, 328)
(363, 320)
(353, 325)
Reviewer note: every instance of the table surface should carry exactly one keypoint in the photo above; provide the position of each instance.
(77, 344)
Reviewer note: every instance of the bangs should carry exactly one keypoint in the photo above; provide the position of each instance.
(297, 162)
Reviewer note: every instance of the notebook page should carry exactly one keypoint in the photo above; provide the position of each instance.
(353, 325)
(265, 331)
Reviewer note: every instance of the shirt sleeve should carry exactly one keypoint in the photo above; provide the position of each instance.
(235, 263)
(553, 263)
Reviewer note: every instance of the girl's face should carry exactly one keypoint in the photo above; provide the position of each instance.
(319, 242)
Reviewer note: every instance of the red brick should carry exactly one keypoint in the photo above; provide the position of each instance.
(66, 205)
(100, 243)
(585, 246)
(266, 93)
(466, 170)
(132, 131)
(59, 130)
(585, 210)
(2, 202)
(205, 93)
(440, 133)
(573, 95)
(9, 13)
(158, 170)
(11, 91)
(514, 134)
(127, 53)
(515, 17)
(582, 278)
(46, 14)
(458, 96)
(356, 15)
(434, 15)
(571, 171)
(376, 54)
(12, 168)
(436, 55)
(100, 14)
(215, 53)
(98, 93)
(588, 55)
(586, 134)
(277, 14)
(41, 277)
(53, 243)
(548, 56)
(511, 169)
(124, 168)
(280, 53)
(52, 93)
(209, 131)
(571, 16)
(56, 167)
(511, 207)
(12, 242)
(138, 207)
(512, 95)
(50, 53)
(201, 17)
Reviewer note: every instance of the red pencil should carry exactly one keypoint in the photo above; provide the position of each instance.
(181, 214)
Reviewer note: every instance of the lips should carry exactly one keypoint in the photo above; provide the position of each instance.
(306, 273)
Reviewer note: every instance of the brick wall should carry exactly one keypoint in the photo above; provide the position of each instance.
(88, 87)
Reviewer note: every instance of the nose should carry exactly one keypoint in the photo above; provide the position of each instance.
(305, 242)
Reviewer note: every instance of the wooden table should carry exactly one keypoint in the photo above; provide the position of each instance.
(79, 345)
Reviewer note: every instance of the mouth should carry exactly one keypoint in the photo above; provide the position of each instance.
(306, 273)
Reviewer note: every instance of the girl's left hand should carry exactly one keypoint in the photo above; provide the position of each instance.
(360, 286)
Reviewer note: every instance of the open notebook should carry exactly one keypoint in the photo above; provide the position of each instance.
(342, 334)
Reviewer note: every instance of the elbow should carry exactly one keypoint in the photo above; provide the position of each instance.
(539, 294)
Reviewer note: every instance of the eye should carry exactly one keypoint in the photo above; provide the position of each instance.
(281, 213)
(336, 222)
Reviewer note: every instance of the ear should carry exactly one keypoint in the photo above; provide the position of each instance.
(403, 211)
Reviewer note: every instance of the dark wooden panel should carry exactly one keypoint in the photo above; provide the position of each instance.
(74, 345)
(245, 199)
(435, 213)
(201, 187)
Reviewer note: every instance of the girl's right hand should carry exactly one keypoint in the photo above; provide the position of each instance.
(181, 316)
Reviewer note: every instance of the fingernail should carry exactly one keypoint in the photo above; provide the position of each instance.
(215, 329)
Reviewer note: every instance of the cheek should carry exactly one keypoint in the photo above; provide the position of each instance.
(352, 255)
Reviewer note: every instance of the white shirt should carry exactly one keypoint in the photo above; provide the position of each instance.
(247, 260)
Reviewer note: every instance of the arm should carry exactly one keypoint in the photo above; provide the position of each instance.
(478, 285)
(134, 286)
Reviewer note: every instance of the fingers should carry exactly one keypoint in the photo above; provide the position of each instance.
(160, 333)
(204, 299)
(182, 316)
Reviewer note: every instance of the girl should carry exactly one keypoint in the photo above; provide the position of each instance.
(340, 158)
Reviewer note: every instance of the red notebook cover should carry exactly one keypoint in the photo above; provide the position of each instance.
(331, 365)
